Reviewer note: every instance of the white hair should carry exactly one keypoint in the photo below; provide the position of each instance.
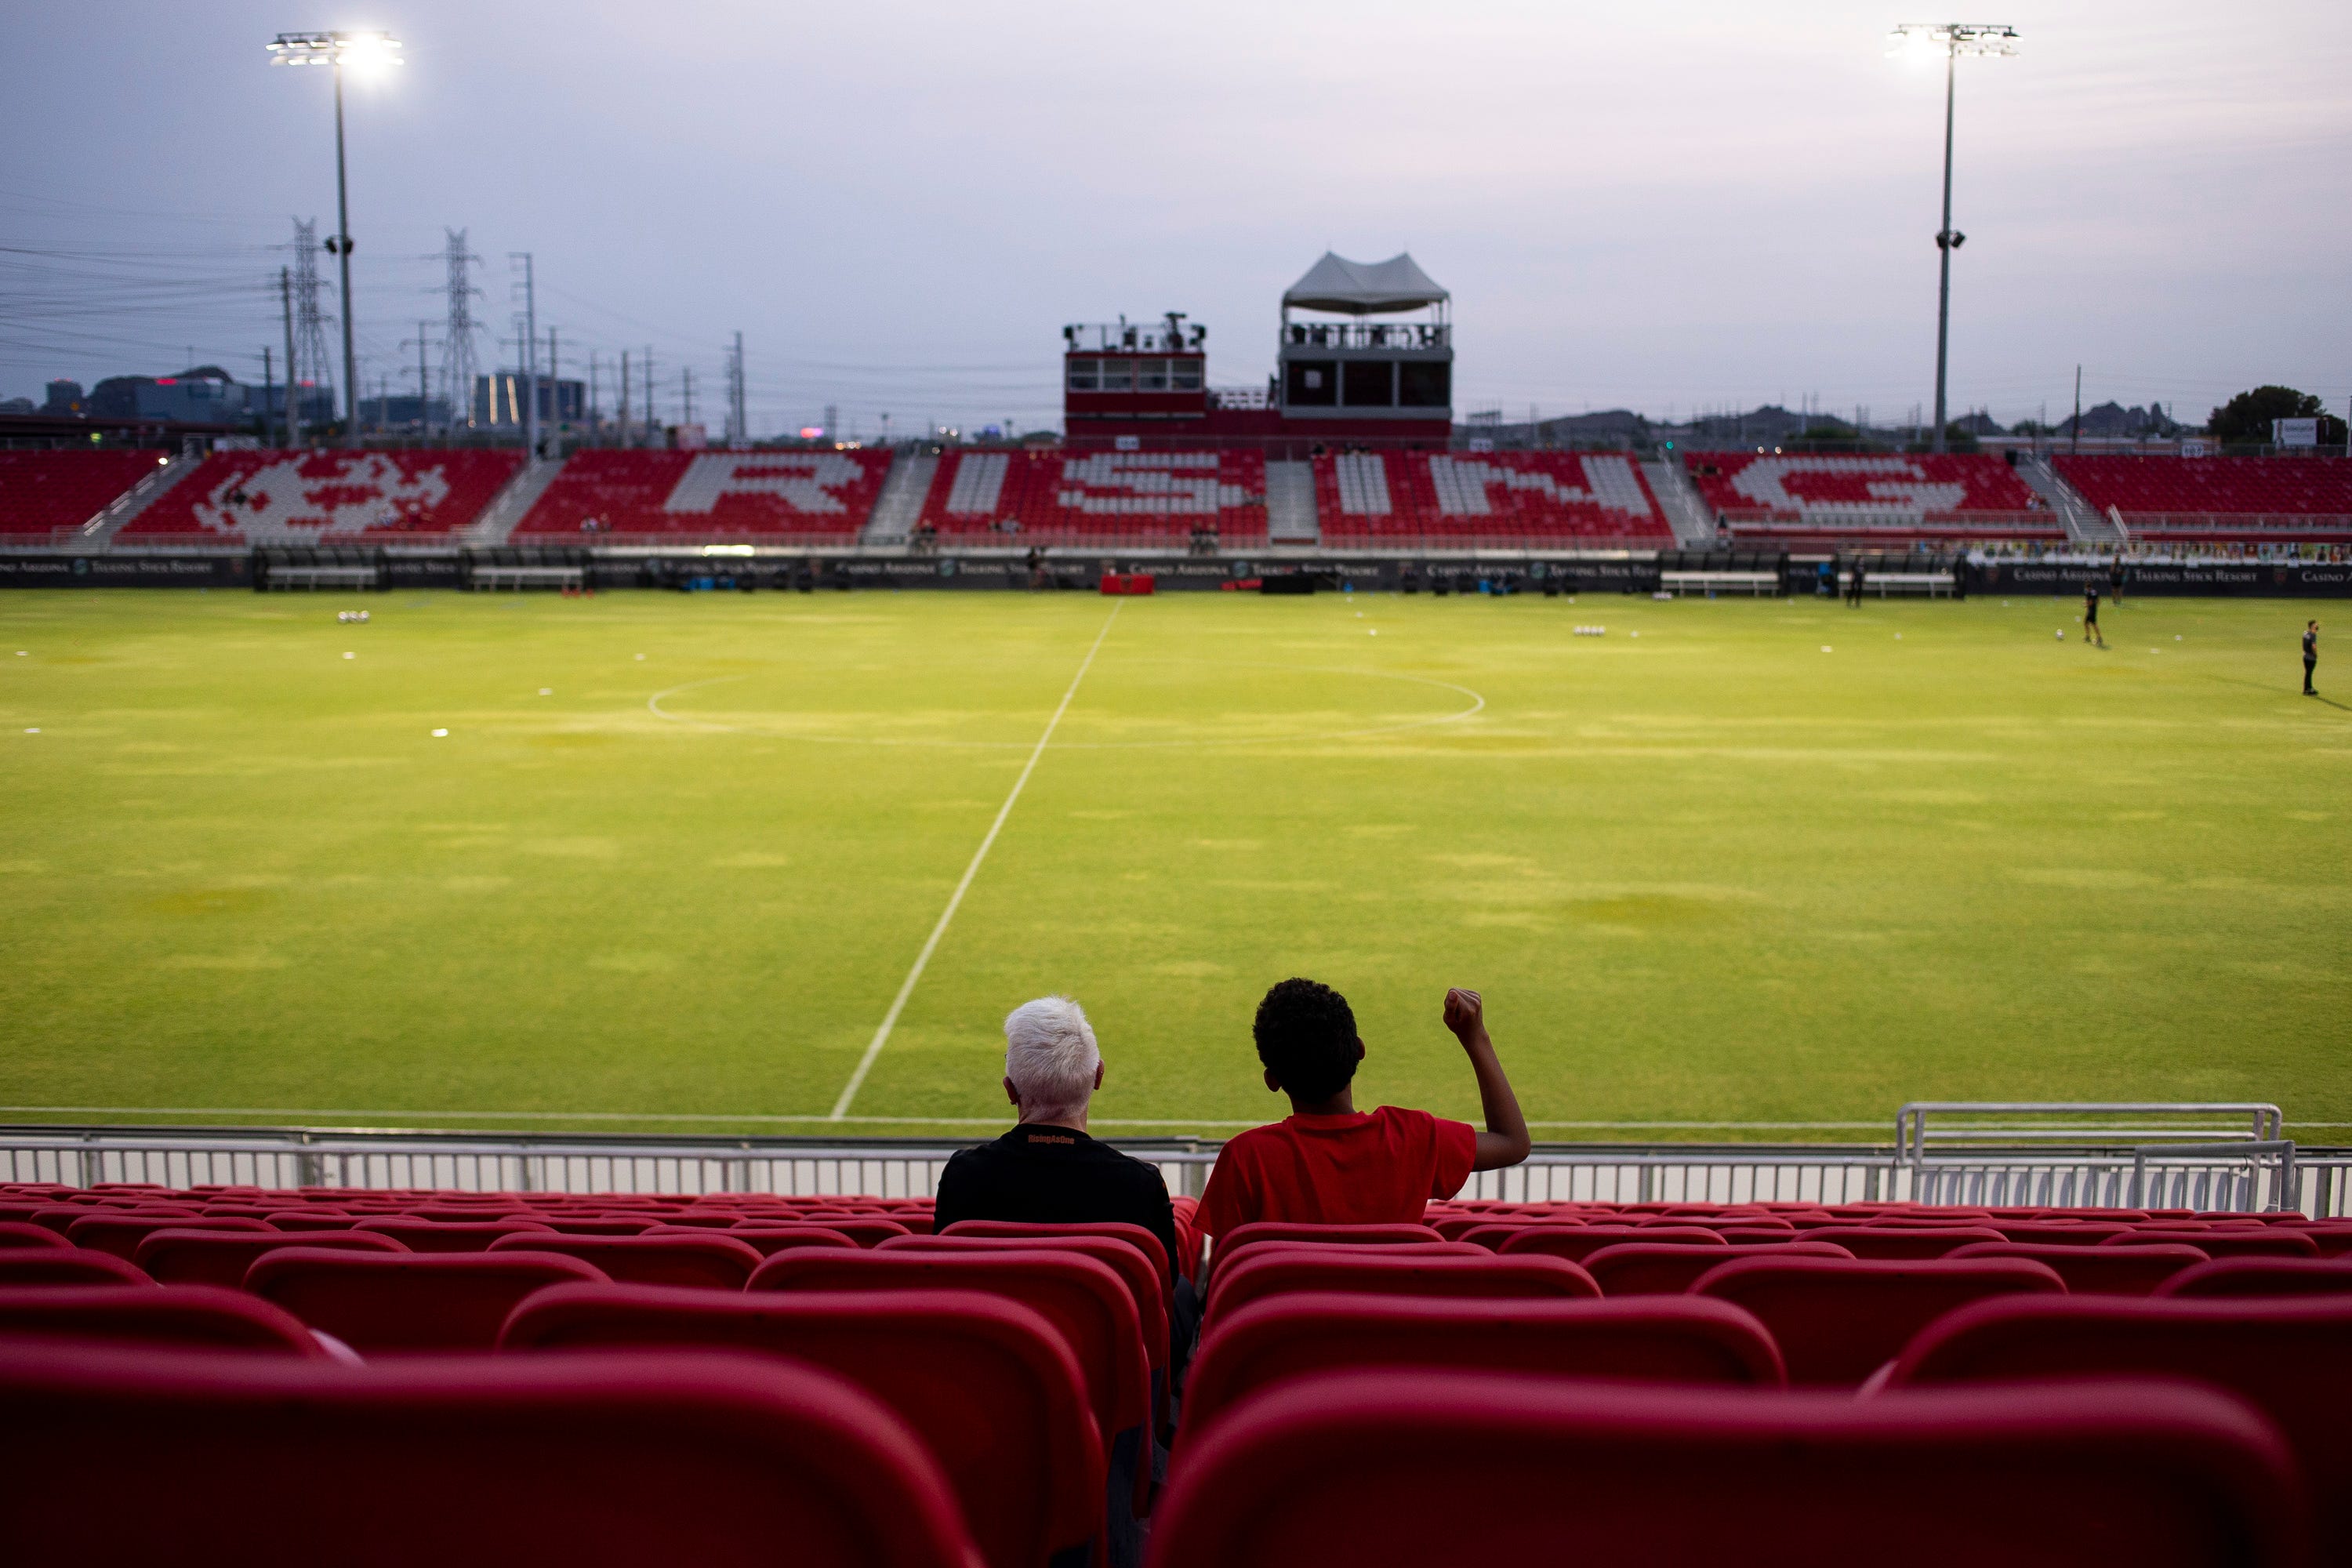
(1051, 1056)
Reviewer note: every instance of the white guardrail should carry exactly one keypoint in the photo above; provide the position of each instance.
(2207, 1157)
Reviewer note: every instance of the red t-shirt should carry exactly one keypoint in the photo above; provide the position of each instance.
(1365, 1168)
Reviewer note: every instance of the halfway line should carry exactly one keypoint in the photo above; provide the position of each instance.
(890, 1019)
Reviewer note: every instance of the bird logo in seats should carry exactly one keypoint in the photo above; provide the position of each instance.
(803, 482)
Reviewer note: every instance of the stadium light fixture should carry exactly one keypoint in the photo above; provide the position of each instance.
(1951, 40)
(368, 53)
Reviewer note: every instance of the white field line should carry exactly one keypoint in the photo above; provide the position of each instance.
(898, 1004)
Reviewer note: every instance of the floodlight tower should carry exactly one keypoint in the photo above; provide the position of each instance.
(363, 52)
(1950, 39)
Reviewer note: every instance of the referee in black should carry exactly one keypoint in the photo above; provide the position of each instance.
(2091, 631)
(2310, 655)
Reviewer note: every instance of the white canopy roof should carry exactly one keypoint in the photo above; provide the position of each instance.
(1364, 287)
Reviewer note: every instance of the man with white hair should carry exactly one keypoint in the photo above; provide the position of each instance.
(1047, 1170)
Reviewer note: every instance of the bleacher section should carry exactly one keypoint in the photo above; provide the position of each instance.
(1671, 1382)
(664, 496)
(43, 492)
(1830, 495)
(1048, 498)
(2220, 498)
(1454, 499)
(313, 498)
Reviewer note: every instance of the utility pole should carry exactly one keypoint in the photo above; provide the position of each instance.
(740, 436)
(424, 341)
(459, 369)
(685, 383)
(554, 382)
(529, 353)
(293, 407)
(591, 394)
(2077, 444)
(625, 397)
(653, 439)
(268, 393)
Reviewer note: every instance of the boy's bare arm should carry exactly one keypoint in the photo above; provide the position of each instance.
(1506, 1140)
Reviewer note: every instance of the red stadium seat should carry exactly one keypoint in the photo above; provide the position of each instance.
(1683, 1339)
(1885, 498)
(18, 1233)
(2218, 497)
(767, 1240)
(444, 1301)
(73, 1267)
(2249, 1241)
(420, 1235)
(221, 1257)
(327, 496)
(988, 1385)
(1452, 1468)
(1302, 1269)
(1085, 1300)
(1577, 1243)
(1135, 1235)
(710, 1262)
(1837, 1323)
(1292, 1230)
(2042, 1233)
(1232, 1256)
(1904, 1243)
(470, 1463)
(2259, 1277)
(1121, 1255)
(120, 1234)
(2095, 1270)
(1637, 1268)
(815, 496)
(2292, 1358)
(42, 493)
(193, 1317)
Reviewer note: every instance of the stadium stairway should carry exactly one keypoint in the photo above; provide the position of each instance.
(1290, 504)
(510, 505)
(904, 492)
(100, 530)
(1687, 514)
(2085, 522)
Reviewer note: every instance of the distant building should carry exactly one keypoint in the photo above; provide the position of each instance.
(65, 399)
(15, 406)
(204, 395)
(404, 412)
(498, 400)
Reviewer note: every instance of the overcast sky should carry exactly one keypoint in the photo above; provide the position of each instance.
(899, 205)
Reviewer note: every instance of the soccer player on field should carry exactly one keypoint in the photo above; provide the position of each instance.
(2091, 631)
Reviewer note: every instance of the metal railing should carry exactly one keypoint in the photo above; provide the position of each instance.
(2233, 1173)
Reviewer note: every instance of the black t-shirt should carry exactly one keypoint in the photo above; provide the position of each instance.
(2310, 645)
(1054, 1175)
(2091, 600)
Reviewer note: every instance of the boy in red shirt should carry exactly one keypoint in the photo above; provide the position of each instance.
(1330, 1164)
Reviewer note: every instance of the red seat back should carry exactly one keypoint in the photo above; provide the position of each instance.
(988, 1384)
(865, 1230)
(2248, 1241)
(714, 1261)
(1131, 1265)
(2292, 1358)
(193, 1317)
(1904, 1243)
(2095, 1270)
(1135, 1235)
(120, 1234)
(1297, 1230)
(1678, 1340)
(1272, 1273)
(767, 1240)
(1576, 1243)
(1638, 1268)
(71, 1267)
(1086, 1300)
(476, 1462)
(425, 1301)
(1429, 1467)
(1836, 1322)
(2259, 1277)
(1232, 1256)
(448, 1235)
(222, 1256)
(16, 1235)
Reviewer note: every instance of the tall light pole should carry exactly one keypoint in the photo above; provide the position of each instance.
(1950, 39)
(365, 52)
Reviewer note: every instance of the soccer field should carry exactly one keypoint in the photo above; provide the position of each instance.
(1731, 870)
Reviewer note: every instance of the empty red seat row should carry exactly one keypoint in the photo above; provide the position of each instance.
(822, 496)
(43, 492)
(2213, 497)
(1842, 491)
(309, 497)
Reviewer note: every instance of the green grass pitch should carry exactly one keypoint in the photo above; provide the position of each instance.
(1732, 864)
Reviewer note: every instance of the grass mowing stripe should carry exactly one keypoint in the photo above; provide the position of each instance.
(898, 1004)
